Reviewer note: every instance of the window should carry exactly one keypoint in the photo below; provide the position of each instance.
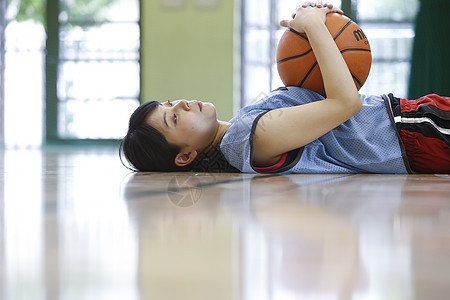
(98, 71)
(22, 89)
(71, 69)
(387, 23)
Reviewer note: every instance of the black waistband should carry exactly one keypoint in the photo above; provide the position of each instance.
(394, 110)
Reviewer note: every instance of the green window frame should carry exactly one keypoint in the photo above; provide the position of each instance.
(54, 59)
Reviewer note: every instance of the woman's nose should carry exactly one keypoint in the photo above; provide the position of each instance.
(184, 104)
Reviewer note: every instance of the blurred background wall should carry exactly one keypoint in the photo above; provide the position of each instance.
(187, 52)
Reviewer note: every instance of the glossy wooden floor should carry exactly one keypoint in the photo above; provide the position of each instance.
(75, 224)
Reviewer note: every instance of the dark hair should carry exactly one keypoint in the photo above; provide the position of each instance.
(146, 149)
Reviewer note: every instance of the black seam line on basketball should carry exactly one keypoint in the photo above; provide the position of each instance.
(355, 49)
(306, 76)
(293, 57)
(298, 33)
(343, 28)
(359, 82)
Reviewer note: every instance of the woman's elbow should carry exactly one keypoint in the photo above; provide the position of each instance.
(358, 104)
(355, 104)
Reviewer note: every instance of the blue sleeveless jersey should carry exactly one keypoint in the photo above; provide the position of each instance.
(366, 143)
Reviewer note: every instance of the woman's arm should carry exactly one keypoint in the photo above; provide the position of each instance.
(286, 129)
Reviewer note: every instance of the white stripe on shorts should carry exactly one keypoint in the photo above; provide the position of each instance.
(404, 120)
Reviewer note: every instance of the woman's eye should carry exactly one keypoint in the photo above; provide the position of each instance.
(175, 118)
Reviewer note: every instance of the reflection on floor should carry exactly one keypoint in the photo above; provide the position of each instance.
(75, 224)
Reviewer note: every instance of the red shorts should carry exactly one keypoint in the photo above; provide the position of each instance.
(425, 133)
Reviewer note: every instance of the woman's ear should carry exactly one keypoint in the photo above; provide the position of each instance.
(183, 159)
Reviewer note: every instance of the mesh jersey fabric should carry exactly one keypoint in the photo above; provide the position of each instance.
(366, 143)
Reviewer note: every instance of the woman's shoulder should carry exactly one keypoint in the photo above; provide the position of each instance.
(235, 143)
(244, 121)
(281, 97)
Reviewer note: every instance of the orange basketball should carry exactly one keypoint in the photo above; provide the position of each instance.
(297, 64)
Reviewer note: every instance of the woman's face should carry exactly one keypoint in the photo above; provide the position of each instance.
(192, 125)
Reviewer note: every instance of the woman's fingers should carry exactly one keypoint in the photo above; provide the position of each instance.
(285, 23)
(317, 4)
